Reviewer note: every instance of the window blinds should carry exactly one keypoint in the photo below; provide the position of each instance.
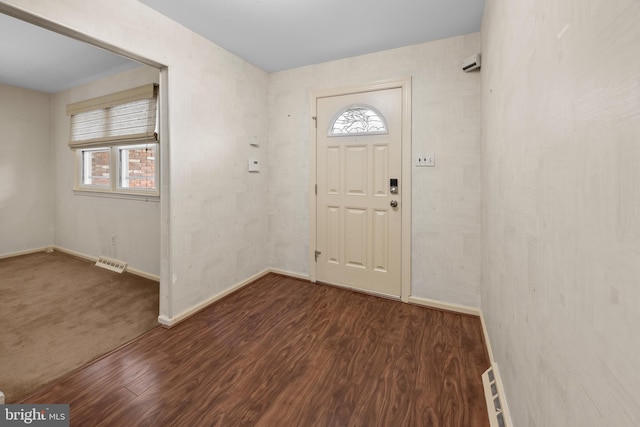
(123, 118)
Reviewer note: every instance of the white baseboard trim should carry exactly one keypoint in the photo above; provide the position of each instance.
(25, 252)
(172, 321)
(487, 342)
(74, 253)
(94, 259)
(289, 273)
(143, 274)
(463, 309)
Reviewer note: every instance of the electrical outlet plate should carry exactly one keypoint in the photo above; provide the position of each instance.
(425, 160)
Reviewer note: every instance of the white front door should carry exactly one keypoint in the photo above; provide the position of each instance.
(358, 212)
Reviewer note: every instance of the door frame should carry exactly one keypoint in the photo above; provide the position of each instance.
(405, 85)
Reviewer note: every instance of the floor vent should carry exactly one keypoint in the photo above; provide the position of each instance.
(111, 264)
(494, 395)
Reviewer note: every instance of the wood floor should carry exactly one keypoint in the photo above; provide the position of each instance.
(284, 352)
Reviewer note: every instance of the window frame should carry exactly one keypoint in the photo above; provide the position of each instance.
(86, 168)
(115, 172)
(115, 122)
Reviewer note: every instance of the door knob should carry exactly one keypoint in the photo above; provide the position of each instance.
(394, 204)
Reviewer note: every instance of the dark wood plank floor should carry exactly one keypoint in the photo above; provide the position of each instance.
(284, 352)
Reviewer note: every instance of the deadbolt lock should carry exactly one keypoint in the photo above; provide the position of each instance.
(393, 186)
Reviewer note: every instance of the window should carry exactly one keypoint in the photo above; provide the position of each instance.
(115, 141)
(358, 119)
(137, 167)
(96, 167)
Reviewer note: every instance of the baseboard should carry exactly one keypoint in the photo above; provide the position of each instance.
(75, 254)
(463, 309)
(25, 252)
(172, 321)
(94, 259)
(144, 274)
(487, 342)
(289, 273)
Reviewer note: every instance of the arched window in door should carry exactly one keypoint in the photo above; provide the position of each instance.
(359, 119)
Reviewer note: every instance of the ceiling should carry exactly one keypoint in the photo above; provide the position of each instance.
(274, 35)
(277, 35)
(39, 59)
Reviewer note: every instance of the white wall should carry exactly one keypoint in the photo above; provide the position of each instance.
(217, 227)
(446, 199)
(26, 170)
(561, 208)
(215, 224)
(561, 211)
(85, 223)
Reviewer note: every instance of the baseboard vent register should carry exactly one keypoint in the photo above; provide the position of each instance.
(111, 264)
(494, 395)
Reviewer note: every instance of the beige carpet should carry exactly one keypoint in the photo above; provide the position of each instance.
(58, 312)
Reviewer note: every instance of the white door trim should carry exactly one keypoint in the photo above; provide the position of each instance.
(405, 85)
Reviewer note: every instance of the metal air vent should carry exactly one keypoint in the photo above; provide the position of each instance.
(494, 396)
(111, 264)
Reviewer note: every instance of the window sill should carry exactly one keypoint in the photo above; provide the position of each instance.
(117, 195)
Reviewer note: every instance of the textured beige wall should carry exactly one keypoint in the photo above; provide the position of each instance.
(85, 223)
(561, 208)
(446, 199)
(26, 170)
(215, 227)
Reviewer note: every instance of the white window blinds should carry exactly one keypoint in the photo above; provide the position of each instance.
(127, 117)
